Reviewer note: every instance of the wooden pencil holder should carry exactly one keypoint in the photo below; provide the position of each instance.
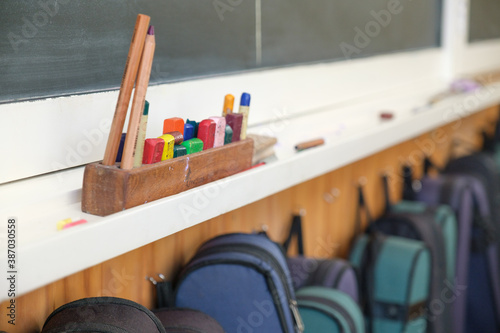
(109, 189)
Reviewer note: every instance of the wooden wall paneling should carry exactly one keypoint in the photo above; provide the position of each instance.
(341, 212)
(308, 197)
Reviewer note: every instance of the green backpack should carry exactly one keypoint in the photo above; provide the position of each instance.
(328, 310)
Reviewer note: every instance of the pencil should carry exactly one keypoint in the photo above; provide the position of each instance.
(141, 86)
(129, 75)
(309, 144)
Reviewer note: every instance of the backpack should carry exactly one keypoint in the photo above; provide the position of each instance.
(242, 281)
(178, 320)
(328, 310)
(395, 276)
(476, 294)
(415, 220)
(102, 314)
(307, 271)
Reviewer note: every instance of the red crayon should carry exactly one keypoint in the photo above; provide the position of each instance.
(206, 133)
(153, 148)
(72, 224)
(175, 124)
(234, 120)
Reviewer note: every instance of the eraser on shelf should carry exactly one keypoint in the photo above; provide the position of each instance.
(193, 145)
(206, 133)
(168, 149)
(228, 135)
(188, 131)
(220, 130)
(178, 137)
(386, 115)
(179, 150)
(153, 149)
(175, 124)
(235, 120)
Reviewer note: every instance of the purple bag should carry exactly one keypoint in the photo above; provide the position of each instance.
(476, 295)
(306, 271)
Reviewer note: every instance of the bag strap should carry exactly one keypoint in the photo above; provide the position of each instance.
(362, 206)
(164, 294)
(387, 198)
(295, 230)
(372, 250)
(408, 191)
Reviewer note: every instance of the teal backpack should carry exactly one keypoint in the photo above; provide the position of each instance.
(326, 310)
(395, 275)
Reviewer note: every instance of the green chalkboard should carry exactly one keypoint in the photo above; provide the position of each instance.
(484, 22)
(63, 47)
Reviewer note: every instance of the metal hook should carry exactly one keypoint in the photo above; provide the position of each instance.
(152, 280)
(161, 276)
(362, 181)
(331, 196)
(299, 211)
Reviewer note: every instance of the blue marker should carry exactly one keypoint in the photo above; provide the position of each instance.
(244, 109)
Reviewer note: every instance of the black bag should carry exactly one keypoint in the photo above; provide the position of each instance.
(103, 314)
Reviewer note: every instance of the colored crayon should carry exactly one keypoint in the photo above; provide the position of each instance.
(175, 124)
(178, 137)
(168, 149)
(228, 135)
(195, 126)
(153, 149)
(206, 133)
(72, 224)
(193, 145)
(179, 150)
(188, 131)
(235, 120)
(220, 130)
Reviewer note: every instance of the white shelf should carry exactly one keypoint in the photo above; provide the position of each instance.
(351, 131)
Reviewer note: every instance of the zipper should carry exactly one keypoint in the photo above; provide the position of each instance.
(332, 304)
(265, 256)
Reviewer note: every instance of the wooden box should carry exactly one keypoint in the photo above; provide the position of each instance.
(109, 189)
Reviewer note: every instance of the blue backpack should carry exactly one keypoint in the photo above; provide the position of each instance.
(242, 281)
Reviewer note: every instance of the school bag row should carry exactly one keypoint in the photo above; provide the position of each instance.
(429, 264)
